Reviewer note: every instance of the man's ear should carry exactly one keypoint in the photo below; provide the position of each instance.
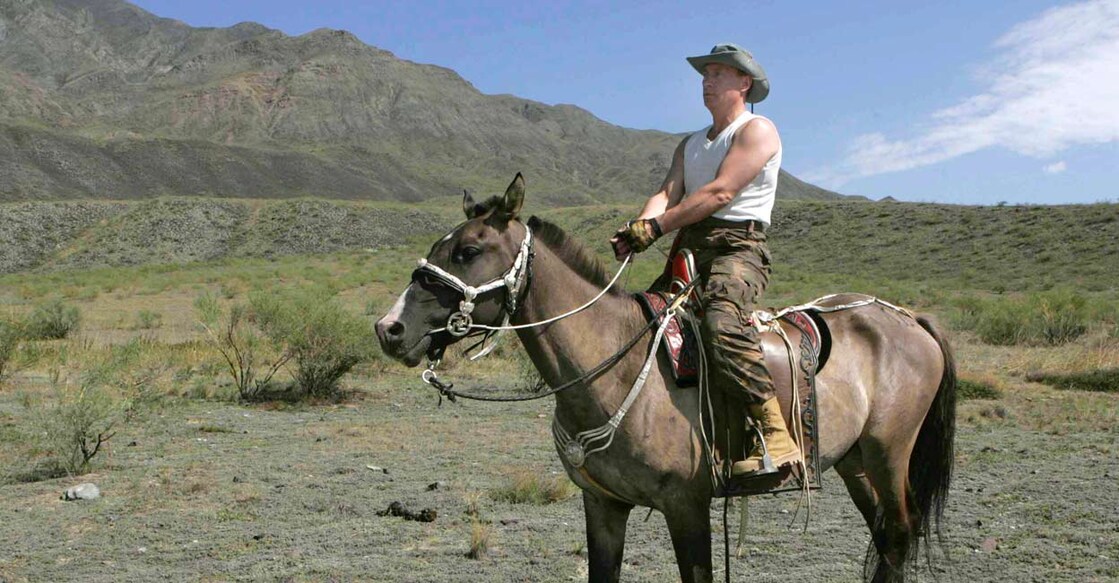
(470, 208)
(514, 197)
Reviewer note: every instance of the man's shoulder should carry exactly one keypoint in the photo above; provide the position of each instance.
(757, 128)
(759, 123)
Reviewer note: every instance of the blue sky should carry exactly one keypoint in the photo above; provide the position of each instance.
(949, 101)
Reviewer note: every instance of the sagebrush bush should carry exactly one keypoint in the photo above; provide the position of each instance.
(72, 426)
(1100, 380)
(324, 340)
(51, 321)
(968, 389)
(11, 334)
(133, 371)
(1048, 318)
(148, 320)
(231, 332)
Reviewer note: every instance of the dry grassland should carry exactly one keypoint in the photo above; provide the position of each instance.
(197, 486)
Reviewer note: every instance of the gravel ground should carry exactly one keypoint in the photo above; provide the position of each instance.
(216, 491)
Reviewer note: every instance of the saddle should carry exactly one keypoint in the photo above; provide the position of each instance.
(795, 343)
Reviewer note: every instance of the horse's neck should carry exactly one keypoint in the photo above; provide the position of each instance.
(572, 346)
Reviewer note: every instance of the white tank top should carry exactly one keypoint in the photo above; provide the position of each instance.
(702, 158)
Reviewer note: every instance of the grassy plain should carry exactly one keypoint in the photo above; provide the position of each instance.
(198, 486)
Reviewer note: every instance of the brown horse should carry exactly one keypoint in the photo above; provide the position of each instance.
(886, 397)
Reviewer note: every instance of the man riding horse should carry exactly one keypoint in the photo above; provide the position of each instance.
(720, 192)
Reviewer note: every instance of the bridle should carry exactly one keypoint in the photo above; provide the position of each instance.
(575, 448)
(461, 323)
(516, 280)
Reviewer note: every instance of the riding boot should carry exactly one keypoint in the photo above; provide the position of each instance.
(779, 445)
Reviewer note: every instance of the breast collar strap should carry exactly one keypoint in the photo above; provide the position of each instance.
(461, 323)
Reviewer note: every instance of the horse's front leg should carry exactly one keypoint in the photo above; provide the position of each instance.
(606, 536)
(689, 524)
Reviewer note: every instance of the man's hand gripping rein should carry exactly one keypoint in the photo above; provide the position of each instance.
(635, 236)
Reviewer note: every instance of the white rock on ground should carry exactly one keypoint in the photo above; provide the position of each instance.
(86, 491)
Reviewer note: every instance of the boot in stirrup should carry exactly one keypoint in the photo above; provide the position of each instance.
(775, 447)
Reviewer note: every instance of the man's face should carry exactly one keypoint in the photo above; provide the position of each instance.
(723, 84)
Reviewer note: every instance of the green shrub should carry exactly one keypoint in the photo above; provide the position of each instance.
(11, 334)
(323, 340)
(230, 331)
(148, 320)
(968, 390)
(1064, 316)
(1100, 380)
(131, 370)
(71, 427)
(51, 321)
(1048, 318)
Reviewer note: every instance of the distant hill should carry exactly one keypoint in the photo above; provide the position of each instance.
(102, 100)
(844, 243)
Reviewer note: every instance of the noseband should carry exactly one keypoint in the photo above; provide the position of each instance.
(460, 323)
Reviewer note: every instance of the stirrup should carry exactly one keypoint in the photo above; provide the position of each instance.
(767, 461)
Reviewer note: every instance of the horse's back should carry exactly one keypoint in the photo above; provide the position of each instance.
(882, 374)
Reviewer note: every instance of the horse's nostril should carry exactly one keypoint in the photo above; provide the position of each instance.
(390, 330)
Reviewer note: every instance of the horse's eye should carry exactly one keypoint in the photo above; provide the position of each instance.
(466, 254)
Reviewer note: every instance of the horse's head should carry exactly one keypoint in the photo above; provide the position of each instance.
(483, 257)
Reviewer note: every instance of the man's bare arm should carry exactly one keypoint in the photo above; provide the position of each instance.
(672, 189)
(753, 146)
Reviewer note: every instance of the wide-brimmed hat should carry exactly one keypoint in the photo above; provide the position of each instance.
(732, 55)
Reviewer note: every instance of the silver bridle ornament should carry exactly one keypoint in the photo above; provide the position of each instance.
(460, 323)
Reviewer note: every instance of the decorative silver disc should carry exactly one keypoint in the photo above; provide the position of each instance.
(574, 453)
(459, 324)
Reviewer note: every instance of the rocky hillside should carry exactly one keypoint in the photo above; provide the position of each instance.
(1010, 247)
(79, 234)
(102, 100)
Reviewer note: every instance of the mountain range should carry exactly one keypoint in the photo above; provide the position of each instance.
(100, 99)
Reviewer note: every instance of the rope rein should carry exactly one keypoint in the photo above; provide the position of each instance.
(430, 377)
(461, 324)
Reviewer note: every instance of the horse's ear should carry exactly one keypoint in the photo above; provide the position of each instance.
(469, 207)
(514, 197)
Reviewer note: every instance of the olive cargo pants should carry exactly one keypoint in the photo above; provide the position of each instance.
(732, 262)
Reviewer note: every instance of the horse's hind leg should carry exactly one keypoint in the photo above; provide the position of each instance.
(850, 468)
(606, 536)
(892, 530)
(689, 524)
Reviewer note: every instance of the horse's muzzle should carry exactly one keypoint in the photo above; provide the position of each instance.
(393, 336)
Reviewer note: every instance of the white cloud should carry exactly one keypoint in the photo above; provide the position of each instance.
(1055, 84)
(1055, 168)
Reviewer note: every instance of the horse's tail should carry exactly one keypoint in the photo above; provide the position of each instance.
(930, 465)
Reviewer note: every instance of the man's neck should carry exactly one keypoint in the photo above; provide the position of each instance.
(721, 118)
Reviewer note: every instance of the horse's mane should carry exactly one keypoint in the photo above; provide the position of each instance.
(573, 253)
